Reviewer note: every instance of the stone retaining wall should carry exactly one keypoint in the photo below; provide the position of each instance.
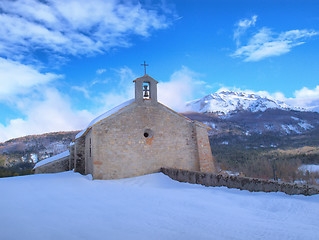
(243, 183)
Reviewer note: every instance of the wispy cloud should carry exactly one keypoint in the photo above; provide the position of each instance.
(50, 111)
(17, 78)
(306, 98)
(74, 27)
(61, 28)
(123, 89)
(266, 43)
(100, 71)
(83, 90)
(181, 87)
(242, 26)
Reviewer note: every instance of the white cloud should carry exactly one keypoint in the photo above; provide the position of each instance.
(181, 87)
(75, 26)
(307, 98)
(43, 108)
(242, 26)
(61, 28)
(16, 78)
(123, 90)
(52, 111)
(266, 43)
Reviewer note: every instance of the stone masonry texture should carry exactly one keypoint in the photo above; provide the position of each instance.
(243, 183)
(118, 147)
(206, 161)
(79, 158)
(60, 165)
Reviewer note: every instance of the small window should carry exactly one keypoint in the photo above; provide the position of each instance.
(148, 133)
(90, 148)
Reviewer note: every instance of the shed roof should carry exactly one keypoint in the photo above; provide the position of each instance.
(52, 159)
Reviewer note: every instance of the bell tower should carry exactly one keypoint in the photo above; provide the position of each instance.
(145, 90)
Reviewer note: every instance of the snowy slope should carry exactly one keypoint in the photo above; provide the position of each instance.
(228, 101)
(71, 206)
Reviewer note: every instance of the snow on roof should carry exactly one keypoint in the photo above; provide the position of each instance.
(105, 115)
(53, 158)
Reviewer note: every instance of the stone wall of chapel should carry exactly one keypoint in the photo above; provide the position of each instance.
(71, 158)
(79, 155)
(89, 144)
(121, 150)
(206, 161)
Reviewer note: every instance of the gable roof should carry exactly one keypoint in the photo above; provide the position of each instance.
(119, 108)
(146, 77)
(104, 116)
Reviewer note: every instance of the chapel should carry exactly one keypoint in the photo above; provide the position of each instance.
(135, 138)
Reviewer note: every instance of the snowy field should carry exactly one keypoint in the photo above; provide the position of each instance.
(71, 206)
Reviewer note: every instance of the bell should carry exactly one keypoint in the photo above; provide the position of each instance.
(146, 91)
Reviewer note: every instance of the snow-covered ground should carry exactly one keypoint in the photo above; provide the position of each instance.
(71, 206)
(309, 167)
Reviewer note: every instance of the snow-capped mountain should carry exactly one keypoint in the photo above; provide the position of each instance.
(241, 113)
(227, 102)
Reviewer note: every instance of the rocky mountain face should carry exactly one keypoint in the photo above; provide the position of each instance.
(30, 149)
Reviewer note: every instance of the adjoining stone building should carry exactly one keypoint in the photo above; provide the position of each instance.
(139, 137)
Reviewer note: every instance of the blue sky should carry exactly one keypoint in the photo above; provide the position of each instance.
(64, 62)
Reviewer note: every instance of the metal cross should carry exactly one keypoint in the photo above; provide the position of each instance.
(145, 65)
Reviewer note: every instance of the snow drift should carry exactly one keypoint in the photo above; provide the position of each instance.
(71, 206)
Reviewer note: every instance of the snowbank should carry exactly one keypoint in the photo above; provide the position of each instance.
(71, 206)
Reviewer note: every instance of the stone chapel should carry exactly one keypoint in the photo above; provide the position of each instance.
(135, 138)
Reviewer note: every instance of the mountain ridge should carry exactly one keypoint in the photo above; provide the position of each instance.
(228, 102)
